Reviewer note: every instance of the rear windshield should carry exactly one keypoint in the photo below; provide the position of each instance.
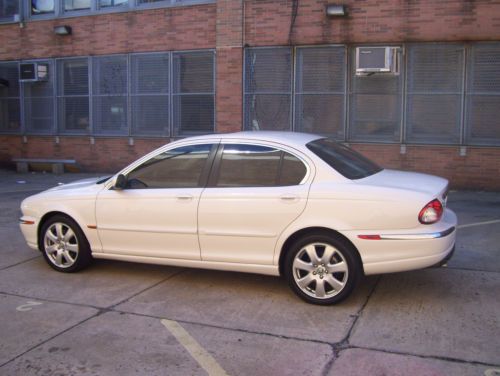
(346, 161)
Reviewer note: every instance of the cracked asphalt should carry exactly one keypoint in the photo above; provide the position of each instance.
(118, 318)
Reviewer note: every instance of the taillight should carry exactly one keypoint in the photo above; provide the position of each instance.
(431, 213)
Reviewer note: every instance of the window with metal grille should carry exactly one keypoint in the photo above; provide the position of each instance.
(149, 95)
(435, 76)
(10, 111)
(268, 88)
(374, 105)
(320, 90)
(73, 96)
(483, 94)
(9, 10)
(110, 92)
(193, 92)
(39, 103)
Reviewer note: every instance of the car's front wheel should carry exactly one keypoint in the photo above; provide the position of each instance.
(63, 244)
(322, 269)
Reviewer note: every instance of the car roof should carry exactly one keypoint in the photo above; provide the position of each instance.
(296, 139)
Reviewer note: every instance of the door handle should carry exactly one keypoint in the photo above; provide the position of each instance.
(289, 198)
(184, 197)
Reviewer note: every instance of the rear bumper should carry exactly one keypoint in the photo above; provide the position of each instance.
(402, 250)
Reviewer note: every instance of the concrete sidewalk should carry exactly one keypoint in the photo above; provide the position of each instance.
(119, 318)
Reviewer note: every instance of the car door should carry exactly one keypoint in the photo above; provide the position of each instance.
(254, 193)
(156, 214)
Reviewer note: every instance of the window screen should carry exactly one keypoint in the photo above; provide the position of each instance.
(150, 94)
(177, 168)
(434, 93)
(193, 92)
(73, 96)
(39, 103)
(374, 105)
(483, 94)
(10, 113)
(320, 90)
(110, 90)
(268, 88)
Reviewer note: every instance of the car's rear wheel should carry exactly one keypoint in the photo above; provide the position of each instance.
(64, 246)
(322, 269)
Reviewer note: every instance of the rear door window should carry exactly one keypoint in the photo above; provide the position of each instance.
(244, 165)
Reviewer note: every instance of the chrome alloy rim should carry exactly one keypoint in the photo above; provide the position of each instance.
(61, 245)
(320, 270)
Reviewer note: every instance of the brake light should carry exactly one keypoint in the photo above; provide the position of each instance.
(431, 213)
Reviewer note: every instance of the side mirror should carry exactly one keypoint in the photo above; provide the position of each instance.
(121, 182)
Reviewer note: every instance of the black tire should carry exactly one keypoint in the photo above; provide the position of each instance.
(338, 276)
(64, 245)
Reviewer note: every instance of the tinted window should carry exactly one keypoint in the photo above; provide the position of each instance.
(176, 168)
(258, 166)
(346, 161)
(292, 170)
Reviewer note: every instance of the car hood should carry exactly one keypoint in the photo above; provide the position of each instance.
(411, 181)
(83, 183)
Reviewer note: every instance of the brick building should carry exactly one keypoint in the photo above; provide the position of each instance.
(133, 75)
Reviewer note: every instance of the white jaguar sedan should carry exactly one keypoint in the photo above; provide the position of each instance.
(298, 205)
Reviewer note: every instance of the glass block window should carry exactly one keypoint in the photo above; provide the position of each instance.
(39, 103)
(10, 97)
(483, 95)
(374, 105)
(73, 96)
(193, 92)
(150, 94)
(435, 74)
(9, 10)
(268, 88)
(110, 94)
(320, 90)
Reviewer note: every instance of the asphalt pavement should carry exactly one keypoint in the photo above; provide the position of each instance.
(118, 318)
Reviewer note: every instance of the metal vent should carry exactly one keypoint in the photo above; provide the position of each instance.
(483, 94)
(268, 88)
(109, 103)
(150, 94)
(320, 90)
(73, 96)
(434, 94)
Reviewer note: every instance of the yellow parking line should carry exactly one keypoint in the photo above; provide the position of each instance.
(204, 359)
(479, 223)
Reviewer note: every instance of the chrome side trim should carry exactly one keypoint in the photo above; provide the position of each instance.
(430, 235)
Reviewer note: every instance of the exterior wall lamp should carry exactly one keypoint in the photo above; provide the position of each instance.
(336, 10)
(62, 30)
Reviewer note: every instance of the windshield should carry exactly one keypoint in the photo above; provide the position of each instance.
(346, 161)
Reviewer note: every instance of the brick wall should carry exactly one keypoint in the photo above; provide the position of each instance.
(180, 28)
(268, 21)
(229, 25)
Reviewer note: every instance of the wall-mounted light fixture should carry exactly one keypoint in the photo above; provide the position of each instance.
(336, 10)
(62, 30)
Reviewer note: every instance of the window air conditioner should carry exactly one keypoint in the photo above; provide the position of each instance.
(33, 72)
(371, 60)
